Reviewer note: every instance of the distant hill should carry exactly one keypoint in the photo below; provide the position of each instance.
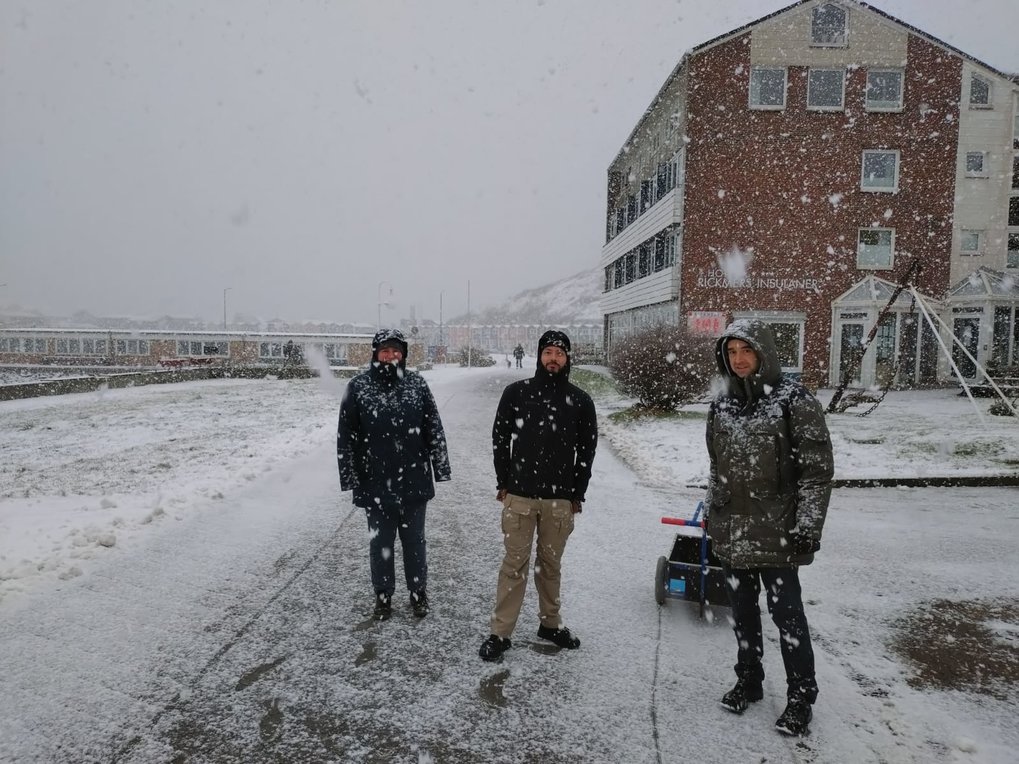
(572, 300)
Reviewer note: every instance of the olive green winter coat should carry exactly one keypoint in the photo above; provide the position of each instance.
(770, 460)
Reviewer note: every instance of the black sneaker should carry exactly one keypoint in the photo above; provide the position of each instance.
(383, 606)
(493, 648)
(561, 637)
(745, 692)
(795, 720)
(419, 603)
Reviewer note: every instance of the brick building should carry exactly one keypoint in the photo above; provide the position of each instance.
(793, 169)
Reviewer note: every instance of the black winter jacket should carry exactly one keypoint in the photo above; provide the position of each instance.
(544, 437)
(390, 441)
(770, 459)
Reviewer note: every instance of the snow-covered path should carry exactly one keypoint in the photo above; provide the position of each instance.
(239, 632)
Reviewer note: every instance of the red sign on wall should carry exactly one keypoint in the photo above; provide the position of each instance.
(706, 322)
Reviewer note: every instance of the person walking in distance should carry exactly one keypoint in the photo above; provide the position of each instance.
(770, 472)
(518, 354)
(544, 439)
(389, 446)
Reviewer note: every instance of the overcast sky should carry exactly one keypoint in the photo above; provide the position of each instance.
(299, 153)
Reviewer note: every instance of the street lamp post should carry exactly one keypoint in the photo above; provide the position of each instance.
(378, 319)
(224, 306)
(440, 316)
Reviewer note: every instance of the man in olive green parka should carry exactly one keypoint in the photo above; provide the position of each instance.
(770, 478)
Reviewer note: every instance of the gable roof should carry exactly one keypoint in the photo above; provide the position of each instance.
(850, 4)
(1014, 78)
(985, 282)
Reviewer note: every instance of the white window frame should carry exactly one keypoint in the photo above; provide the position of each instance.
(91, 346)
(891, 249)
(842, 97)
(990, 92)
(863, 172)
(983, 172)
(201, 348)
(271, 350)
(785, 88)
(1011, 260)
(68, 346)
(779, 317)
(844, 41)
(132, 347)
(885, 105)
(976, 248)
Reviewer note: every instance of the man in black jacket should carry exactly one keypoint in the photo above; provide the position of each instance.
(770, 460)
(389, 444)
(544, 438)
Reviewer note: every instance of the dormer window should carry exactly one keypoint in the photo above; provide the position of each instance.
(979, 92)
(829, 26)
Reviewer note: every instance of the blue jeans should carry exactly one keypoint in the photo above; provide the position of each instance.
(383, 526)
(785, 604)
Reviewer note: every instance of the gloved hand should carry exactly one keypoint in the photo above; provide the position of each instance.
(500, 495)
(577, 507)
(804, 544)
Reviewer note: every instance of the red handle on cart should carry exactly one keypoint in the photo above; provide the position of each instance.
(683, 521)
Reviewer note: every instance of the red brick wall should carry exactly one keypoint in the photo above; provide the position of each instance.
(780, 169)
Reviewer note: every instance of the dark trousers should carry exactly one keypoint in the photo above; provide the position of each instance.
(785, 605)
(383, 526)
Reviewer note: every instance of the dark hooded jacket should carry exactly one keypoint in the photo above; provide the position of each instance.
(770, 460)
(545, 433)
(390, 442)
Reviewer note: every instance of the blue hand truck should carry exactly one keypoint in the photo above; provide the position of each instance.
(691, 572)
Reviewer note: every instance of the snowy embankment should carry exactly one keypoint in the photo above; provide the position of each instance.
(921, 433)
(84, 472)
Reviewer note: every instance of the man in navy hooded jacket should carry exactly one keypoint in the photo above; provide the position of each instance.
(389, 446)
(544, 438)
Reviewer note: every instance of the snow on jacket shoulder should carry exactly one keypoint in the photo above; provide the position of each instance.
(390, 442)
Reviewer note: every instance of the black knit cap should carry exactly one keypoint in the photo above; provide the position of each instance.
(554, 337)
(390, 337)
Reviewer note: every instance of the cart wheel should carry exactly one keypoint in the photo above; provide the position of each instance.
(661, 578)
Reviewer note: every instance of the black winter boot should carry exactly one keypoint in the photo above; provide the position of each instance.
(419, 603)
(383, 606)
(493, 648)
(561, 637)
(745, 692)
(795, 720)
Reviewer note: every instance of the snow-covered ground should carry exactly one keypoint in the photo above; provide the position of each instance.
(180, 579)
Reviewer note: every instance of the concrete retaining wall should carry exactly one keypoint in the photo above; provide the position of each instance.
(92, 382)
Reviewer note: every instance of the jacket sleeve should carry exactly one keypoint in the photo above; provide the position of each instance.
(812, 450)
(347, 432)
(709, 437)
(587, 443)
(502, 438)
(435, 438)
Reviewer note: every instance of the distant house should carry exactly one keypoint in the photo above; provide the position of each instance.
(792, 169)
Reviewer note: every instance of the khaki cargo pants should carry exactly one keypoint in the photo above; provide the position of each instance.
(553, 520)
